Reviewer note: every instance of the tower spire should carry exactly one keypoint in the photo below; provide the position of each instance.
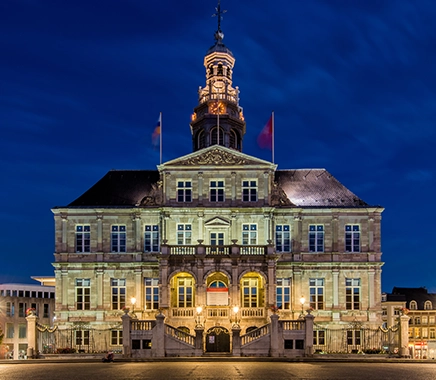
(219, 35)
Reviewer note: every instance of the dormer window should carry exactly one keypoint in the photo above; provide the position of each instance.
(413, 305)
(428, 305)
(184, 191)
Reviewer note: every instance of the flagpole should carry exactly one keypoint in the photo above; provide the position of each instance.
(218, 120)
(160, 139)
(272, 137)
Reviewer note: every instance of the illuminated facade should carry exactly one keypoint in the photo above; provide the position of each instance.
(216, 229)
(420, 308)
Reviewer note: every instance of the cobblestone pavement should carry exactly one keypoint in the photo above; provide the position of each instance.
(217, 370)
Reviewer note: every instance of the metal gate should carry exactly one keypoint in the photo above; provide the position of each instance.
(355, 338)
(218, 340)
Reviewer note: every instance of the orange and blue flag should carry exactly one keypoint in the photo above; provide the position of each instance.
(156, 133)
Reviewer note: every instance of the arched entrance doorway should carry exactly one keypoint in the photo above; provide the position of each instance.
(218, 340)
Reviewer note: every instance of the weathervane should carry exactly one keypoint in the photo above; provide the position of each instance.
(219, 35)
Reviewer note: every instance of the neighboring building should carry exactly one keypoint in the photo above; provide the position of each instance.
(421, 307)
(215, 229)
(15, 302)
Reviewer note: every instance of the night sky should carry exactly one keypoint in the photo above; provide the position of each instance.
(352, 84)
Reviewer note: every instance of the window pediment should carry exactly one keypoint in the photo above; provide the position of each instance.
(217, 222)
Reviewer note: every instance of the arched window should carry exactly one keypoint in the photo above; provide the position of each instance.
(214, 136)
(428, 305)
(413, 305)
(201, 140)
(220, 69)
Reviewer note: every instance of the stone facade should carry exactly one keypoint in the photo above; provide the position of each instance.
(214, 230)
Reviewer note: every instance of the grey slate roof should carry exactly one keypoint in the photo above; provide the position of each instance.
(420, 295)
(303, 187)
(119, 188)
(316, 188)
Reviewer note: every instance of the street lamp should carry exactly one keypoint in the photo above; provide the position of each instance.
(302, 301)
(198, 321)
(133, 302)
(235, 321)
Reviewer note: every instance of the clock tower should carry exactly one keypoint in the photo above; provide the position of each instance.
(218, 118)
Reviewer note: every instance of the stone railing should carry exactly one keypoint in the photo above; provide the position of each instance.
(180, 335)
(212, 250)
(255, 334)
(293, 325)
(252, 312)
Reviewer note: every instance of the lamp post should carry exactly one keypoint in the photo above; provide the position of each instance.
(235, 321)
(198, 321)
(302, 301)
(133, 302)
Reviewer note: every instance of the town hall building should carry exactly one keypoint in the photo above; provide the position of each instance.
(215, 238)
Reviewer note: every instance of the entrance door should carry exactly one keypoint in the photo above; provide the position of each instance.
(218, 340)
(217, 242)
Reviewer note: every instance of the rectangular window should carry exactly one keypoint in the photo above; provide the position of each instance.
(249, 234)
(316, 290)
(185, 292)
(151, 286)
(22, 309)
(217, 191)
(431, 319)
(425, 332)
(83, 238)
(353, 337)
(424, 319)
(283, 238)
(432, 333)
(319, 337)
(249, 191)
(151, 238)
(117, 337)
(283, 293)
(118, 238)
(118, 290)
(184, 191)
(249, 292)
(316, 238)
(9, 330)
(82, 337)
(83, 293)
(352, 238)
(10, 309)
(22, 331)
(352, 293)
(46, 312)
(184, 234)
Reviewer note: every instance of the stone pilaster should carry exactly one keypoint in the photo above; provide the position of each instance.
(236, 341)
(275, 336)
(404, 336)
(158, 340)
(127, 344)
(308, 344)
(32, 344)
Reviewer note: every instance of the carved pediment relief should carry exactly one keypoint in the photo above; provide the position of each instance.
(217, 222)
(216, 156)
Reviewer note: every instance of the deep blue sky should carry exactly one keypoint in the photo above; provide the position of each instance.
(352, 84)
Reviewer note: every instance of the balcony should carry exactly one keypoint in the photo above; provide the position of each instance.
(217, 250)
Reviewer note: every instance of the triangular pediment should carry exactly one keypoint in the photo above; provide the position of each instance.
(217, 222)
(217, 156)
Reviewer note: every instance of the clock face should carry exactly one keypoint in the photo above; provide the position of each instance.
(217, 107)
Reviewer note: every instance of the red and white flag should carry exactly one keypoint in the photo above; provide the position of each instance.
(265, 138)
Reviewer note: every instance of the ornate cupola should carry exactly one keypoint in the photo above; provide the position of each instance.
(218, 118)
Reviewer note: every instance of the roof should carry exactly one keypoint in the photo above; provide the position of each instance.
(420, 295)
(119, 188)
(316, 188)
(136, 188)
